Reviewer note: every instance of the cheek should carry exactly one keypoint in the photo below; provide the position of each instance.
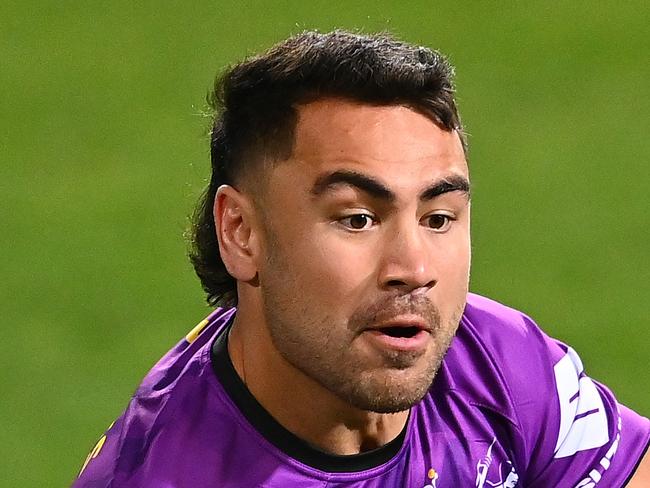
(322, 267)
(454, 265)
(461, 255)
(339, 265)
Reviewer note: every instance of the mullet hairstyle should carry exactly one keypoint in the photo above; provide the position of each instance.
(255, 107)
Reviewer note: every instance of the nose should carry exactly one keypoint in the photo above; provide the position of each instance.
(407, 261)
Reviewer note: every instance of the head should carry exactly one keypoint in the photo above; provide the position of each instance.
(339, 209)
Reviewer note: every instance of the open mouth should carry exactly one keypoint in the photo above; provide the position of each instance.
(406, 332)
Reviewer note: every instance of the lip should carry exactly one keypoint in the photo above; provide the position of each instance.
(384, 341)
(416, 342)
(403, 321)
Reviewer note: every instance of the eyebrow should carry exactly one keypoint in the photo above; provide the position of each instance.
(378, 190)
(451, 183)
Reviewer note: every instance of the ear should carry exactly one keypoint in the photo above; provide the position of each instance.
(234, 220)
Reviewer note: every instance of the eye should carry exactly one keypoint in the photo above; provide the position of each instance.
(438, 222)
(357, 222)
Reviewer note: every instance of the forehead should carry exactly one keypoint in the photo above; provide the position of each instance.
(394, 143)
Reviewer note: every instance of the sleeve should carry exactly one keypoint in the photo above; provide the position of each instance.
(577, 434)
(98, 468)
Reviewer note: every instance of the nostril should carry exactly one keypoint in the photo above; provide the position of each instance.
(395, 283)
(411, 286)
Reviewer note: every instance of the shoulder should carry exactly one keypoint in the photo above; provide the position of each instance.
(179, 381)
(501, 329)
(565, 427)
(183, 361)
(500, 357)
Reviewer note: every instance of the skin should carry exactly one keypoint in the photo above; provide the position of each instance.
(318, 267)
(641, 477)
(293, 252)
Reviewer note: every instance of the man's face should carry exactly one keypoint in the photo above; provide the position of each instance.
(367, 251)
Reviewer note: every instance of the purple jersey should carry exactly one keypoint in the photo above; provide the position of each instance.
(509, 408)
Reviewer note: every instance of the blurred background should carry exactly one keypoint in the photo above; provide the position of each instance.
(104, 151)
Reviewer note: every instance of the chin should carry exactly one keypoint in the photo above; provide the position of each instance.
(391, 403)
(392, 392)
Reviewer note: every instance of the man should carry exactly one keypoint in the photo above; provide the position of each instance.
(337, 221)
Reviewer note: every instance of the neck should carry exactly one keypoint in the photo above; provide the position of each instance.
(300, 404)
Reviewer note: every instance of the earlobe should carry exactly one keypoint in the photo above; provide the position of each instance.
(233, 215)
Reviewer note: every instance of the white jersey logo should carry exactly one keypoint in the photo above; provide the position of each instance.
(583, 421)
(483, 468)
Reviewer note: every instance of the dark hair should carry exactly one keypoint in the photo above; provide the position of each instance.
(255, 105)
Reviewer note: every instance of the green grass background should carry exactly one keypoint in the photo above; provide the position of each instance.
(103, 152)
